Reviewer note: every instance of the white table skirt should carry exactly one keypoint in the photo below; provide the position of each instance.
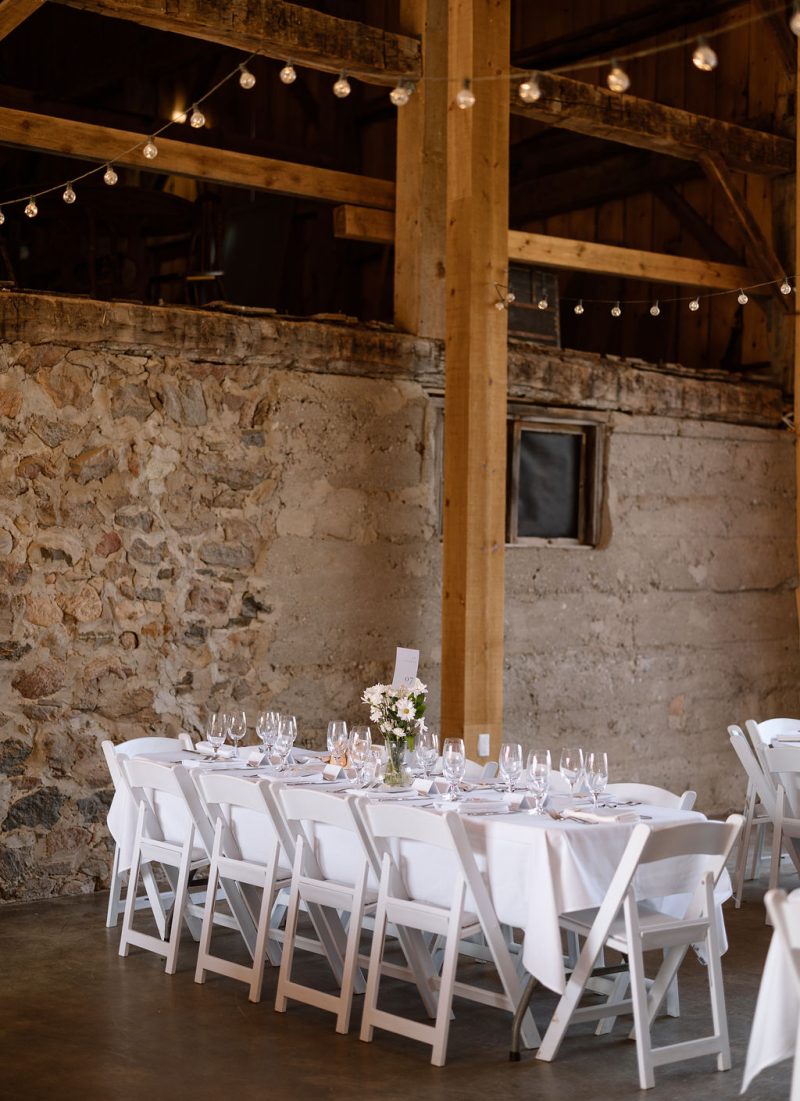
(773, 1033)
(535, 868)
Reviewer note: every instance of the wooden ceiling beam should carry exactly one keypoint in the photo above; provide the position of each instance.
(598, 113)
(14, 12)
(87, 142)
(359, 224)
(277, 29)
(696, 224)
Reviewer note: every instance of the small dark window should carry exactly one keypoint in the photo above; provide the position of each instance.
(554, 482)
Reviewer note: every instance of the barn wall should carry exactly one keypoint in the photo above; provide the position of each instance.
(198, 508)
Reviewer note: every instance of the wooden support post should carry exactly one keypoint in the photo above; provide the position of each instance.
(419, 238)
(476, 358)
(796, 393)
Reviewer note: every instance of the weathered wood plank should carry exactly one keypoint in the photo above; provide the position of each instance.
(277, 29)
(591, 110)
(14, 12)
(475, 378)
(100, 143)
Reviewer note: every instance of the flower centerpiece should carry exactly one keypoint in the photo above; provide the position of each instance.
(398, 714)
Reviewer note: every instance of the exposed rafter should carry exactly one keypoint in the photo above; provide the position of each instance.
(590, 110)
(100, 143)
(277, 29)
(14, 12)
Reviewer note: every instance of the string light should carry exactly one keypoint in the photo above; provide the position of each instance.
(2, 216)
(246, 78)
(794, 19)
(579, 308)
(529, 90)
(786, 286)
(31, 210)
(616, 310)
(150, 149)
(704, 58)
(109, 176)
(466, 97)
(694, 305)
(617, 79)
(742, 298)
(288, 73)
(69, 195)
(197, 120)
(543, 303)
(655, 309)
(402, 93)
(505, 297)
(341, 87)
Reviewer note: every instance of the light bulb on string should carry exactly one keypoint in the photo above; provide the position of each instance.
(110, 176)
(786, 286)
(2, 216)
(742, 298)
(704, 58)
(288, 73)
(69, 195)
(794, 19)
(402, 93)
(197, 119)
(579, 308)
(616, 310)
(150, 149)
(529, 90)
(246, 78)
(694, 305)
(31, 209)
(466, 97)
(341, 87)
(655, 309)
(617, 79)
(543, 304)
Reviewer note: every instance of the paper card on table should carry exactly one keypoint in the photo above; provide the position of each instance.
(429, 786)
(518, 799)
(406, 663)
(256, 757)
(333, 772)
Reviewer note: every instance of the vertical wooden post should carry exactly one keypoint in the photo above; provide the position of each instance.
(420, 196)
(476, 357)
(796, 379)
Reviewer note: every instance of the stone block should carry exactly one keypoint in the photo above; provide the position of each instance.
(41, 680)
(85, 606)
(41, 809)
(93, 465)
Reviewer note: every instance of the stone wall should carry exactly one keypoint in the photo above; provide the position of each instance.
(197, 509)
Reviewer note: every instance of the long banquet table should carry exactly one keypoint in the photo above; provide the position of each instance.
(535, 867)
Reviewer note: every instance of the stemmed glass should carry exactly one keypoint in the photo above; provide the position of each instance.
(337, 738)
(281, 747)
(596, 771)
(215, 732)
(510, 762)
(454, 764)
(427, 746)
(538, 777)
(236, 728)
(571, 768)
(360, 746)
(267, 727)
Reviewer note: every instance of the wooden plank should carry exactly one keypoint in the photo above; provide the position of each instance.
(699, 227)
(476, 353)
(796, 364)
(14, 12)
(591, 110)
(100, 143)
(759, 247)
(277, 29)
(420, 182)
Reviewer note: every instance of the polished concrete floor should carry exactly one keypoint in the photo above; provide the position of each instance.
(79, 1022)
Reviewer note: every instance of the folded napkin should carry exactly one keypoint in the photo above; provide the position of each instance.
(300, 778)
(479, 806)
(225, 764)
(384, 793)
(302, 756)
(792, 736)
(602, 814)
(207, 750)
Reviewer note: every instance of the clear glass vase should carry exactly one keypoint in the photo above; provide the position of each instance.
(397, 775)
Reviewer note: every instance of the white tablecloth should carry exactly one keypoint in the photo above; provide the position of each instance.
(535, 868)
(774, 1030)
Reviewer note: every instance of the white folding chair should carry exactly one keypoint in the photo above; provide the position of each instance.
(467, 913)
(165, 835)
(654, 796)
(246, 851)
(759, 807)
(113, 753)
(783, 766)
(632, 927)
(784, 913)
(320, 877)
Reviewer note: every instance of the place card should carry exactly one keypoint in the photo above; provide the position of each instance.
(519, 800)
(430, 786)
(406, 663)
(333, 772)
(256, 757)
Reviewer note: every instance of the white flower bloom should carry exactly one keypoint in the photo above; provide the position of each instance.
(419, 687)
(375, 714)
(398, 730)
(405, 708)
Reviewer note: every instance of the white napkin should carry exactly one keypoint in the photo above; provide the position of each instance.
(602, 814)
(383, 793)
(207, 750)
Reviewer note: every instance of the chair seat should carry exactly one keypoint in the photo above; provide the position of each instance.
(657, 928)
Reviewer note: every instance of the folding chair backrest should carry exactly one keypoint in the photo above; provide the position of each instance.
(249, 832)
(772, 728)
(761, 782)
(167, 793)
(711, 839)
(654, 796)
(784, 912)
(783, 763)
(329, 828)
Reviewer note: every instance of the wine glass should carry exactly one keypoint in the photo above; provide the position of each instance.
(510, 763)
(571, 768)
(289, 726)
(267, 727)
(360, 745)
(596, 771)
(215, 732)
(337, 733)
(454, 764)
(538, 778)
(237, 728)
(281, 748)
(427, 746)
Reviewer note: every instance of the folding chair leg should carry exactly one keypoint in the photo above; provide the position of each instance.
(795, 1091)
(130, 903)
(449, 964)
(115, 903)
(207, 928)
(374, 973)
(262, 938)
(717, 992)
(287, 956)
(775, 863)
(618, 991)
(351, 957)
(641, 1019)
(181, 892)
(744, 845)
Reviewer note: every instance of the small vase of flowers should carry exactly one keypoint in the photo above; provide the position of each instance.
(398, 714)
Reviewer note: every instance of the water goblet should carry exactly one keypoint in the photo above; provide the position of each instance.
(454, 764)
(215, 732)
(237, 729)
(596, 771)
(280, 749)
(571, 768)
(427, 746)
(360, 745)
(289, 726)
(510, 763)
(337, 732)
(538, 778)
